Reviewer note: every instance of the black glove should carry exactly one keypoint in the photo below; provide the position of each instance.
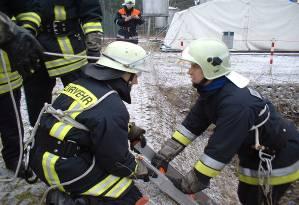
(24, 51)
(136, 135)
(93, 43)
(160, 162)
(190, 183)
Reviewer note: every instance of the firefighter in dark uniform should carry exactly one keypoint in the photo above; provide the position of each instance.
(19, 52)
(92, 134)
(246, 124)
(69, 27)
(128, 18)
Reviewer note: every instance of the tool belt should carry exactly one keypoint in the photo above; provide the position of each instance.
(62, 28)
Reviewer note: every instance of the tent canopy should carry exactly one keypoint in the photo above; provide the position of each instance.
(255, 24)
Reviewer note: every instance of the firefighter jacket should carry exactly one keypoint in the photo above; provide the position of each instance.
(128, 28)
(235, 111)
(64, 24)
(63, 152)
(25, 13)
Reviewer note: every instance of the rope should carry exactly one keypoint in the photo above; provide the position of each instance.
(18, 122)
(264, 173)
(62, 116)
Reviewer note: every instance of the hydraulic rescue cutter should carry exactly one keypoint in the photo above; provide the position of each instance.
(163, 182)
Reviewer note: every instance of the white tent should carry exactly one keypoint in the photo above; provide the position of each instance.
(255, 23)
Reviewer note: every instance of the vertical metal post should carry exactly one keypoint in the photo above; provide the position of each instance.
(149, 27)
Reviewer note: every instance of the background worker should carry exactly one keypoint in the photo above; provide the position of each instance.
(246, 124)
(64, 151)
(128, 18)
(68, 28)
(20, 53)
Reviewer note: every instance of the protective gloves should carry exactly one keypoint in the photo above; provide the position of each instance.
(24, 51)
(136, 135)
(169, 150)
(93, 43)
(190, 183)
(141, 171)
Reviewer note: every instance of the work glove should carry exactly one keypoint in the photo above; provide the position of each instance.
(190, 183)
(169, 150)
(136, 135)
(141, 171)
(93, 43)
(23, 49)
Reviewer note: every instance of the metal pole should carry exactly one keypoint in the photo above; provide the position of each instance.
(149, 27)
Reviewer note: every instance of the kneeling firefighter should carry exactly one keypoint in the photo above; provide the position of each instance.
(246, 124)
(83, 137)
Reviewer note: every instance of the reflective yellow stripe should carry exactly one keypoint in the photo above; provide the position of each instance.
(202, 168)
(14, 84)
(92, 27)
(64, 61)
(65, 45)
(103, 186)
(75, 106)
(60, 130)
(6, 61)
(12, 76)
(60, 13)
(181, 138)
(68, 68)
(48, 163)
(28, 26)
(80, 94)
(273, 180)
(29, 16)
(119, 188)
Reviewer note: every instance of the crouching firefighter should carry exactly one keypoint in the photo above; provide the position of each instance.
(81, 144)
(246, 124)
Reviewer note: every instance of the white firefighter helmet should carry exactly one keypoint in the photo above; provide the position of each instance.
(126, 2)
(116, 59)
(214, 59)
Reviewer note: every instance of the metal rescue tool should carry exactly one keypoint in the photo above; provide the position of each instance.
(165, 185)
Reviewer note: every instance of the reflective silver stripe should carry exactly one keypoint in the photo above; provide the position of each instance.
(101, 187)
(64, 61)
(133, 37)
(184, 131)
(119, 188)
(120, 36)
(210, 162)
(275, 172)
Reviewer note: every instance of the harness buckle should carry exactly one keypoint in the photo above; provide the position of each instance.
(71, 149)
(59, 27)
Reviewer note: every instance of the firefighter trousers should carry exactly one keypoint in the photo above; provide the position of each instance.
(38, 90)
(253, 195)
(9, 128)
